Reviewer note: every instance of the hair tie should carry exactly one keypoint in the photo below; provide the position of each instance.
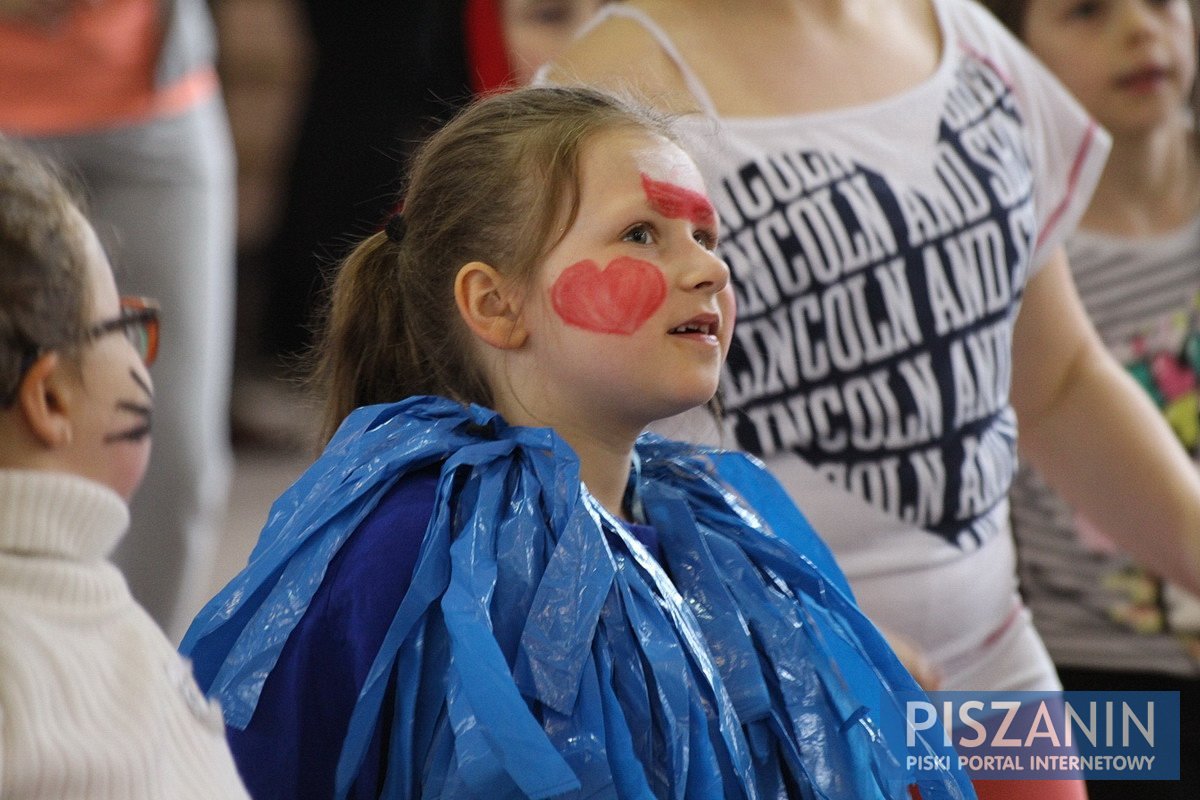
(395, 228)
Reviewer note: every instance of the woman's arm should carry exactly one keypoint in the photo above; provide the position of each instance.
(1095, 435)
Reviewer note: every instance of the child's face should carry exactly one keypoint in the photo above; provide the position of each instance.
(632, 313)
(111, 437)
(536, 30)
(1130, 62)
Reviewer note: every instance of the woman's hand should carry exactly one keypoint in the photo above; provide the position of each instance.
(924, 671)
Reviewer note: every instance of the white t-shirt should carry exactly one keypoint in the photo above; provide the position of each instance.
(879, 254)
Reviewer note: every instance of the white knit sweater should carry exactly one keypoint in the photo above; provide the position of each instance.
(94, 701)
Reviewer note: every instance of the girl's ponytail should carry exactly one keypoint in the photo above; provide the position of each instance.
(365, 354)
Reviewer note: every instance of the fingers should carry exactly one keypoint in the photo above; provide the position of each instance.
(924, 671)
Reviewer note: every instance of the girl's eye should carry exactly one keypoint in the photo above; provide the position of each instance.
(548, 13)
(641, 233)
(1086, 9)
(706, 239)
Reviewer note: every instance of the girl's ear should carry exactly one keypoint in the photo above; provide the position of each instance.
(44, 399)
(489, 306)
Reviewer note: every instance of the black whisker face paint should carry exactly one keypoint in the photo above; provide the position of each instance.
(143, 411)
(140, 381)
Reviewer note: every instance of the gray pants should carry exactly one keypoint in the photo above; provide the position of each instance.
(161, 196)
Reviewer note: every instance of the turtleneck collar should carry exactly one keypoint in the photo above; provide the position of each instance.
(59, 515)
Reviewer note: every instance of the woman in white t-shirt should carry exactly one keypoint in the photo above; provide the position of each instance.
(895, 182)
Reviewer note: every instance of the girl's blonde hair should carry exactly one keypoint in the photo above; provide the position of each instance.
(490, 186)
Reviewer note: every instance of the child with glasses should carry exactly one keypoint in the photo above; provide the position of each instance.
(94, 700)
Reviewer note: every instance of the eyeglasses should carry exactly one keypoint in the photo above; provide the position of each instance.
(138, 321)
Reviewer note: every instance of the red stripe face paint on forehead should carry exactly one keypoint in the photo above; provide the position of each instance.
(676, 202)
(617, 299)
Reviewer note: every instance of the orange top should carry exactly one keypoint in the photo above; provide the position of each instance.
(93, 69)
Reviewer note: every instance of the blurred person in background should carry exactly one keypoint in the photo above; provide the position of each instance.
(1108, 623)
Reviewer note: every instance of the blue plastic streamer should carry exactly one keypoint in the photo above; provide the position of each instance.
(541, 651)
(694, 572)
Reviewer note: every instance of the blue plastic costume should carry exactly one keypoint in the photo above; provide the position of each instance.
(541, 651)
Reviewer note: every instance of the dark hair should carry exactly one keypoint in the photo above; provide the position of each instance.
(1011, 13)
(44, 291)
(490, 186)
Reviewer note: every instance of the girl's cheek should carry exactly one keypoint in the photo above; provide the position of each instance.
(615, 300)
(128, 463)
(728, 318)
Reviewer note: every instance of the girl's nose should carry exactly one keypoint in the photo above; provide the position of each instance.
(1139, 19)
(707, 273)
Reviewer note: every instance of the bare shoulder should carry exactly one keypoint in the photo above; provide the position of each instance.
(621, 55)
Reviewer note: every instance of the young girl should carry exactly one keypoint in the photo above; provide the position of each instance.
(94, 700)
(1136, 260)
(496, 587)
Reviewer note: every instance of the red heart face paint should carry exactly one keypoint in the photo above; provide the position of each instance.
(140, 411)
(616, 299)
(676, 202)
